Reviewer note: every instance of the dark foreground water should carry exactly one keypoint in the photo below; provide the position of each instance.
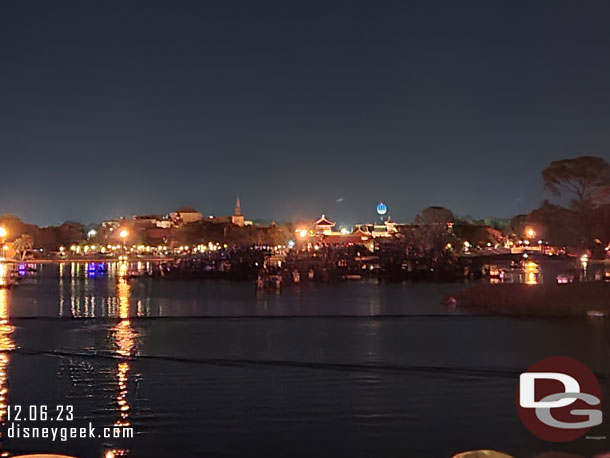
(206, 369)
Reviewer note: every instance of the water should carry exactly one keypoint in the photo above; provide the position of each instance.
(215, 369)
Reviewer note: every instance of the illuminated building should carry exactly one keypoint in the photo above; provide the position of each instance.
(387, 229)
(185, 215)
(112, 224)
(237, 218)
(321, 232)
(323, 225)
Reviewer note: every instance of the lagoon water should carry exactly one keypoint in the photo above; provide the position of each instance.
(208, 368)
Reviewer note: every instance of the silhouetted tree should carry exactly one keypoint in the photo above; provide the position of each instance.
(22, 245)
(579, 179)
(582, 180)
(433, 228)
(555, 224)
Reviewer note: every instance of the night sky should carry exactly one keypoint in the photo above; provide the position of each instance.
(117, 108)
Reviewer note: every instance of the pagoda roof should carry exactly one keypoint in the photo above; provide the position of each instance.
(360, 230)
(323, 221)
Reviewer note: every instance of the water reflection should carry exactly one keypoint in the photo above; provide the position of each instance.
(526, 271)
(87, 290)
(6, 346)
(5, 275)
(531, 273)
(125, 345)
(76, 289)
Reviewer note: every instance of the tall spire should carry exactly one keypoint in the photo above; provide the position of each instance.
(237, 208)
(237, 218)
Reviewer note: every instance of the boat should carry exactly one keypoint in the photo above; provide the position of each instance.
(136, 274)
(267, 281)
(563, 279)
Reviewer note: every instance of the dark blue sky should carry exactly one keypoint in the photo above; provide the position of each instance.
(110, 108)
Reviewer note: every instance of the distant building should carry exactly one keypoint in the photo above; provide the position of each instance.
(159, 235)
(323, 225)
(145, 221)
(237, 218)
(185, 215)
(321, 232)
(164, 224)
(387, 229)
(112, 224)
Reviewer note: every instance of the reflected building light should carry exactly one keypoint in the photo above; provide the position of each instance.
(5, 274)
(61, 289)
(584, 261)
(6, 346)
(124, 337)
(123, 268)
(532, 271)
(531, 278)
(74, 306)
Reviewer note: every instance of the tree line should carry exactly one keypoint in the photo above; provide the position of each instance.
(579, 218)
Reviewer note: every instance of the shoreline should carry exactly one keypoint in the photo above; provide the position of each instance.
(586, 299)
(88, 260)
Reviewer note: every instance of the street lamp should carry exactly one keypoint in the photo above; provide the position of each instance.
(530, 232)
(124, 234)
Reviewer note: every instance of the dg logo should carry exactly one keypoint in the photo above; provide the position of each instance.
(559, 399)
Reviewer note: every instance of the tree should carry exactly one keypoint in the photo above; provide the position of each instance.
(433, 228)
(434, 216)
(70, 232)
(581, 179)
(554, 224)
(516, 226)
(478, 235)
(22, 245)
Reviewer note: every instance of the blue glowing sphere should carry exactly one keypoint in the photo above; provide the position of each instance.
(382, 208)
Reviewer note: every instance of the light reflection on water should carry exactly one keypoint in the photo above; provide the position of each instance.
(98, 289)
(124, 337)
(6, 346)
(76, 285)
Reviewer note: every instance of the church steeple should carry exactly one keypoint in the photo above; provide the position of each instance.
(237, 218)
(237, 208)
